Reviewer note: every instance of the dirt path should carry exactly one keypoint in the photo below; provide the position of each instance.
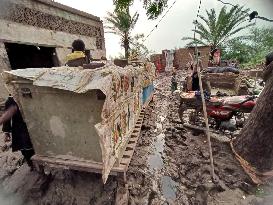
(170, 166)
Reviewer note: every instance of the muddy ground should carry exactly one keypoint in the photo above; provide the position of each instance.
(170, 166)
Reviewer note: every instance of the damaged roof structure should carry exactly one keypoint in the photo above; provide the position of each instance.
(43, 31)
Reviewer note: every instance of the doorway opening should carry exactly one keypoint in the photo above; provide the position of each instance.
(29, 56)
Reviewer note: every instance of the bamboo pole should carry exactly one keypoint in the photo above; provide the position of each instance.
(205, 115)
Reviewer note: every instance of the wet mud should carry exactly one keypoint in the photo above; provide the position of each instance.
(170, 165)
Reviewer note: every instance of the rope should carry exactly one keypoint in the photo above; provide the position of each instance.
(156, 26)
(203, 98)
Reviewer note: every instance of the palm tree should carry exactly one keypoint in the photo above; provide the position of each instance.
(217, 30)
(153, 8)
(121, 23)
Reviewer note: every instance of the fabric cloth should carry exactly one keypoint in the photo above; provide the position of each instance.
(17, 127)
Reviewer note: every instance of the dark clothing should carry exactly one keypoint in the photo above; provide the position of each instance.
(27, 155)
(18, 129)
(77, 62)
(174, 84)
(195, 82)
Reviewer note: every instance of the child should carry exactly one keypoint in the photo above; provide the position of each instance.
(174, 82)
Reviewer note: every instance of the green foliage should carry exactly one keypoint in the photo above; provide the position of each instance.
(153, 7)
(121, 23)
(252, 50)
(122, 4)
(237, 50)
(216, 30)
(138, 48)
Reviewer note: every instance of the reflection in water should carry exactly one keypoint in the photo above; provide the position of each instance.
(9, 199)
(155, 160)
(169, 187)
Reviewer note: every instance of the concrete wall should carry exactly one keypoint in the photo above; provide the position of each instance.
(4, 65)
(56, 17)
(55, 131)
(50, 24)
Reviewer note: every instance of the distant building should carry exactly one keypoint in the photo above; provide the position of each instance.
(182, 57)
(39, 33)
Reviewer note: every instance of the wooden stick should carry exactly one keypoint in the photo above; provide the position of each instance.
(205, 115)
(255, 85)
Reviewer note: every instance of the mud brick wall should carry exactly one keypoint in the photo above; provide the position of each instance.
(23, 14)
(252, 73)
(182, 57)
(155, 57)
(223, 80)
(163, 59)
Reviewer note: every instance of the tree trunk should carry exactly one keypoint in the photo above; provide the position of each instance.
(126, 46)
(255, 143)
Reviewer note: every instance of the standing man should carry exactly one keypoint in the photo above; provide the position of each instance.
(14, 124)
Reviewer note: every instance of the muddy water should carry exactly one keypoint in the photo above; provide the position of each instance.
(155, 160)
(169, 188)
(169, 166)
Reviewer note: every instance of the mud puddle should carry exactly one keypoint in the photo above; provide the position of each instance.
(169, 188)
(155, 160)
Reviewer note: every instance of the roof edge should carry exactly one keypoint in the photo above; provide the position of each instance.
(68, 9)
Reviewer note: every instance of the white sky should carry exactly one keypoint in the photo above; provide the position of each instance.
(176, 24)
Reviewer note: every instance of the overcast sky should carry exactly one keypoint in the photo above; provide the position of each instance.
(176, 24)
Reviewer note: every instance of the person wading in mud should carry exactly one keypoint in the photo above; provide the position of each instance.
(13, 123)
(77, 57)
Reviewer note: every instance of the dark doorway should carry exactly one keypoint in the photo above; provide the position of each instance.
(28, 56)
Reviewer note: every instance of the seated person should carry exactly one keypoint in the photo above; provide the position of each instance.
(77, 57)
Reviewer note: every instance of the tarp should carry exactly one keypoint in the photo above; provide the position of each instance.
(123, 90)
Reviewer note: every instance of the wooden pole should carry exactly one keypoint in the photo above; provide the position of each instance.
(205, 114)
(255, 85)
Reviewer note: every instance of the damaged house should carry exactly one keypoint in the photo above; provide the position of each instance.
(39, 33)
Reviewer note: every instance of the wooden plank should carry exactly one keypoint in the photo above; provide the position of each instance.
(86, 166)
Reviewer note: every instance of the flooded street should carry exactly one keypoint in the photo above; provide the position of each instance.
(170, 165)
